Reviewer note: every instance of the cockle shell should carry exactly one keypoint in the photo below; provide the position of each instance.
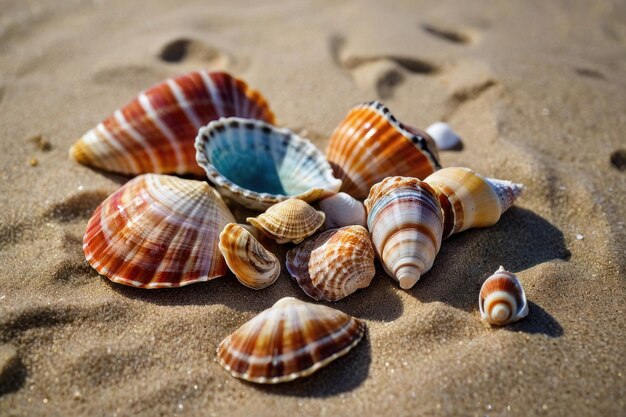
(502, 299)
(443, 135)
(370, 144)
(333, 264)
(471, 200)
(291, 220)
(258, 165)
(292, 339)
(343, 210)
(405, 221)
(155, 132)
(253, 265)
(158, 231)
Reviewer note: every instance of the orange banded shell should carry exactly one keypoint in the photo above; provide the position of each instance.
(502, 299)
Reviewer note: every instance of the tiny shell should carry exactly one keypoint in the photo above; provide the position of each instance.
(343, 210)
(333, 264)
(155, 132)
(370, 144)
(158, 231)
(502, 299)
(253, 265)
(290, 340)
(443, 135)
(291, 220)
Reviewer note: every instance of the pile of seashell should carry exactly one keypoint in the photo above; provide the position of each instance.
(161, 231)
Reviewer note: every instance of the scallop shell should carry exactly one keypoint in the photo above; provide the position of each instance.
(370, 144)
(405, 221)
(258, 165)
(291, 220)
(155, 132)
(290, 340)
(333, 264)
(471, 200)
(502, 299)
(158, 231)
(443, 135)
(253, 265)
(343, 210)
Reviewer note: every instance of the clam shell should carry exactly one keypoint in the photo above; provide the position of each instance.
(253, 265)
(290, 340)
(333, 264)
(155, 132)
(502, 299)
(343, 210)
(291, 220)
(471, 200)
(158, 231)
(258, 165)
(370, 144)
(405, 221)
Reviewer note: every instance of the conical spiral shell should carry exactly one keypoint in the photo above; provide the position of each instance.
(405, 221)
(471, 200)
(156, 131)
(290, 340)
(333, 264)
(341, 210)
(502, 299)
(370, 144)
(253, 265)
(291, 220)
(158, 231)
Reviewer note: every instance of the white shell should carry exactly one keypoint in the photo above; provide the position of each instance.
(343, 210)
(502, 299)
(443, 135)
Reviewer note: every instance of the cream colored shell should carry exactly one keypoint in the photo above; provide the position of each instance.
(291, 220)
(502, 299)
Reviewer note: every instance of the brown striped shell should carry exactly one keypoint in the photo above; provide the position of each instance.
(471, 200)
(291, 220)
(502, 299)
(333, 264)
(405, 221)
(158, 231)
(156, 131)
(290, 340)
(370, 144)
(253, 265)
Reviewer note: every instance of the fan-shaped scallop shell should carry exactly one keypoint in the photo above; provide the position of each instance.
(292, 339)
(471, 200)
(158, 231)
(370, 144)
(333, 264)
(253, 265)
(257, 164)
(341, 210)
(405, 221)
(155, 132)
(291, 220)
(502, 299)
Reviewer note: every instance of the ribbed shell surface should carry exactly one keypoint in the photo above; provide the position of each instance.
(158, 231)
(156, 131)
(291, 220)
(503, 287)
(370, 144)
(292, 339)
(257, 164)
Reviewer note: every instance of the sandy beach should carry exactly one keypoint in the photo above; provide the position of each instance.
(537, 92)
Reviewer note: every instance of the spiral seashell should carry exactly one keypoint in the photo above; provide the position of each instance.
(290, 340)
(370, 144)
(258, 165)
(343, 210)
(158, 231)
(445, 138)
(502, 299)
(291, 220)
(471, 200)
(253, 265)
(333, 264)
(405, 221)
(155, 132)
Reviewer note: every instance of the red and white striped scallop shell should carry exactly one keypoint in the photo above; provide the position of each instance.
(158, 231)
(370, 144)
(502, 299)
(289, 340)
(156, 131)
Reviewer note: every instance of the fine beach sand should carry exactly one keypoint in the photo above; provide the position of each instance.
(537, 91)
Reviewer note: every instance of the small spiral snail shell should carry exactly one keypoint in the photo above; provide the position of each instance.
(502, 299)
